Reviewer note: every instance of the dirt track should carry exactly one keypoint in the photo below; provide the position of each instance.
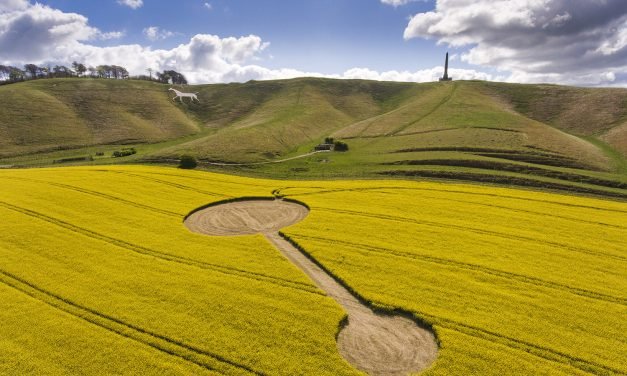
(374, 343)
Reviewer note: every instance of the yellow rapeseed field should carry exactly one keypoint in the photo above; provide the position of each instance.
(98, 275)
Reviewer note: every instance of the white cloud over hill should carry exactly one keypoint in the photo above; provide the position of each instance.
(576, 42)
(396, 3)
(134, 4)
(571, 42)
(154, 33)
(39, 34)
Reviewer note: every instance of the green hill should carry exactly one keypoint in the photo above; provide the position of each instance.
(42, 115)
(257, 121)
(534, 135)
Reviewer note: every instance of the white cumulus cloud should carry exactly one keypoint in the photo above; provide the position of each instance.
(134, 4)
(396, 3)
(154, 33)
(554, 40)
(422, 75)
(39, 34)
(34, 32)
(10, 5)
(111, 35)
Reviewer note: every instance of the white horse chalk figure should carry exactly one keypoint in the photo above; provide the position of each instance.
(180, 95)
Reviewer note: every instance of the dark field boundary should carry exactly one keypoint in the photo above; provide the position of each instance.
(503, 180)
(542, 158)
(510, 167)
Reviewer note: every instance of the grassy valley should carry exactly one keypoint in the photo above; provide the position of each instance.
(543, 136)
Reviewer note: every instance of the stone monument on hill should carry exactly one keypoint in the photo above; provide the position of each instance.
(446, 77)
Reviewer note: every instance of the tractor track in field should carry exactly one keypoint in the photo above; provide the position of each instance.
(481, 333)
(171, 184)
(479, 204)
(579, 220)
(378, 344)
(175, 214)
(477, 268)
(526, 199)
(476, 231)
(477, 332)
(205, 180)
(351, 300)
(101, 195)
(528, 347)
(508, 208)
(193, 354)
(165, 256)
(200, 357)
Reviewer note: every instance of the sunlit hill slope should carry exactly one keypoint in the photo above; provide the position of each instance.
(539, 135)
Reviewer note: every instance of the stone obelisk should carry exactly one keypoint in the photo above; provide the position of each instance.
(446, 77)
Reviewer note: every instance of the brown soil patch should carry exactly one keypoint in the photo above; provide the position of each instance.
(375, 343)
(246, 217)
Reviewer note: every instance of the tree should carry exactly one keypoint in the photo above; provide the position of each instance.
(61, 71)
(79, 68)
(164, 77)
(5, 72)
(170, 75)
(11, 74)
(340, 146)
(120, 72)
(32, 70)
(16, 74)
(112, 71)
(188, 162)
(115, 72)
(102, 71)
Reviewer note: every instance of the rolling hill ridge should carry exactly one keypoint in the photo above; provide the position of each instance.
(538, 135)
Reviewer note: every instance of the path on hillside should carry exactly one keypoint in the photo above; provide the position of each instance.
(375, 343)
(444, 100)
(265, 162)
(238, 164)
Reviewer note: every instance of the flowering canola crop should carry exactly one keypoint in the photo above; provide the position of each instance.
(98, 275)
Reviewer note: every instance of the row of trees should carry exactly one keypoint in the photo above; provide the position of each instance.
(10, 74)
(167, 76)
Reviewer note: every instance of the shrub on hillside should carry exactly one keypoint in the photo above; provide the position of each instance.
(124, 152)
(73, 159)
(188, 162)
(340, 146)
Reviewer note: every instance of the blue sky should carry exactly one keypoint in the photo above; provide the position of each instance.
(326, 36)
(559, 41)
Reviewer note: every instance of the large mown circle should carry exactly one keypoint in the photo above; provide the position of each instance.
(246, 217)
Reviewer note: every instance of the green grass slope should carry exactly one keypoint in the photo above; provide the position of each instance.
(263, 120)
(68, 113)
(468, 130)
(460, 115)
(533, 135)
